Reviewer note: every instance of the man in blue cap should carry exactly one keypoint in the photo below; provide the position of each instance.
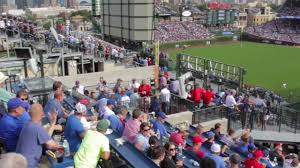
(159, 127)
(11, 123)
(109, 109)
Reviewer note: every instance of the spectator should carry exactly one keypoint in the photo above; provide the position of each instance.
(132, 126)
(197, 142)
(265, 159)
(242, 146)
(134, 99)
(165, 96)
(230, 101)
(118, 121)
(163, 82)
(215, 155)
(198, 131)
(255, 161)
(93, 95)
(78, 87)
(125, 100)
(229, 138)
(234, 161)
(217, 131)
(12, 160)
(210, 140)
(145, 89)
(155, 105)
(208, 163)
(171, 160)
(94, 146)
(208, 96)
(158, 155)
(57, 86)
(159, 127)
(23, 95)
(153, 142)
(33, 136)
(12, 122)
(174, 86)
(196, 94)
(118, 85)
(55, 105)
(142, 138)
(86, 93)
(74, 130)
(111, 103)
(278, 154)
(178, 138)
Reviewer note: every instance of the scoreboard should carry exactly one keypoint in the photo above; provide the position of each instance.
(221, 16)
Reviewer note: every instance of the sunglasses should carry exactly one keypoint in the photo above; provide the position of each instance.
(145, 130)
(172, 149)
(24, 99)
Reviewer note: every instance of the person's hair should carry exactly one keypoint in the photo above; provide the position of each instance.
(58, 94)
(295, 162)
(218, 125)
(136, 113)
(167, 147)
(13, 160)
(199, 126)
(157, 152)
(86, 92)
(143, 125)
(22, 92)
(122, 110)
(56, 85)
(208, 163)
(235, 159)
(231, 131)
(153, 141)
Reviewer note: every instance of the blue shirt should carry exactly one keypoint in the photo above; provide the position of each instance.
(265, 161)
(10, 128)
(220, 163)
(32, 138)
(116, 124)
(242, 149)
(53, 105)
(72, 132)
(158, 126)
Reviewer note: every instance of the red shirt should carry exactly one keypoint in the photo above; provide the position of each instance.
(199, 92)
(198, 152)
(177, 138)
(250, 162)
(145, 90)
(208, 97)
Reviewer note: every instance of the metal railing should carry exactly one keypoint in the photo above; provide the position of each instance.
(208, 114)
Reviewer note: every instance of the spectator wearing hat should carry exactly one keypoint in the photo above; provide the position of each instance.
(118, 120)
(132, 126)
(78, 87)
(54, 105)
(255, 161)
(265, 159)
(234, 161)
(251, 149)
(4, 94)
(111, 103)
(12, 122)
(215, 155)
(158, 125)
(210, 140)
(197, 142)
(74, 130)
(179, 137)
(34, 137)
(94, 146)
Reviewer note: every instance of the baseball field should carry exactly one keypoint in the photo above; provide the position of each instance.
(275, 67)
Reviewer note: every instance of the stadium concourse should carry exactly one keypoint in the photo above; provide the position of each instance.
(285, 29)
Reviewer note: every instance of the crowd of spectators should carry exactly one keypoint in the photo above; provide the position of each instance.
(279, 30)
(290, 8)
(181, 31)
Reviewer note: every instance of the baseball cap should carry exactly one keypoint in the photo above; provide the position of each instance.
(111, 102)
(103, 125)
(210, 134)
(15, 103)
(216, 148)
(252, 147)
(235, 158)
(197, 139)
(258, 154)
(80, 108)
(162, 115)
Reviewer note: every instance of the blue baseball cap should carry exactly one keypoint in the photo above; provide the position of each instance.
(252, 147)
(210, 134)
(162, 115)
(15, 103)
(111, 102)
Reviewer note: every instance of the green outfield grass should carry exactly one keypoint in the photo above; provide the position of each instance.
(267, 65)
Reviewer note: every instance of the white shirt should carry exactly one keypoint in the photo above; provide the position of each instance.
(230, 101)
(80, 89)
(125, 100)
(135, 85)
(108, 112)
(165, 95)
(114, 52)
